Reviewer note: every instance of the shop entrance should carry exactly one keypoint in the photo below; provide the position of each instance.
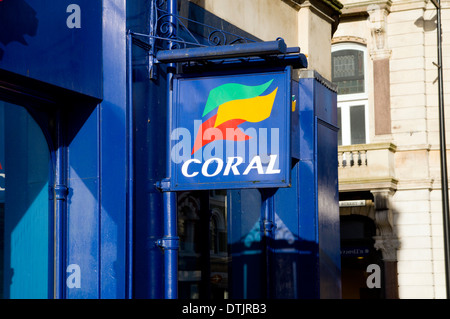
(357, 254)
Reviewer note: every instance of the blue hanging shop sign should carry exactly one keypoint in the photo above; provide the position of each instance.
(231, 130)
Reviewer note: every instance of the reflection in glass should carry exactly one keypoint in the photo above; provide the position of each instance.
(203, 257)
(24, 209)
(358, 124)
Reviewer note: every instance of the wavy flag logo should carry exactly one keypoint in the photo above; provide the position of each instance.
(234, 104)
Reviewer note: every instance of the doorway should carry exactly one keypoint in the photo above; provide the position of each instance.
(357, 255)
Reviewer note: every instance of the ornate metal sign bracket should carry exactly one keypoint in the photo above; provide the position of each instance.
(171, 31)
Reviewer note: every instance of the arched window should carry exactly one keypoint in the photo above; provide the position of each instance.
(349, 72)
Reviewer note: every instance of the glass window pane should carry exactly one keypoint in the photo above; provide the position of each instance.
(357, 124)
(348, 71)
(24, 206)
(203, 256)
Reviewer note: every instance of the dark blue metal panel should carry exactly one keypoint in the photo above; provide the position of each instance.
(306, 109)
(309, 278)
(296, 245)
(52, 63)
(113, 151)
(295, 121)
(149, 103)
(97, 164)
(325, 106)
(2, 155)
(328, 209)
(325, 103)
(36, 42)
(306, 252)
(149, 145)
(83, 212)
(245, 245)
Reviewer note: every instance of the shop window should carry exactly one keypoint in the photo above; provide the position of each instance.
(218, 233)
(25, 263)
(349, 72)
(203, 257)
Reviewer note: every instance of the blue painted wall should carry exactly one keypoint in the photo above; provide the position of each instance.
(97, 173)
(36, 42)
(81, 73)
(2, 153)
(47, 58)
(93, 234)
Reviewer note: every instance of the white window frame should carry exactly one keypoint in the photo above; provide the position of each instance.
(345, 119)
(346, 101)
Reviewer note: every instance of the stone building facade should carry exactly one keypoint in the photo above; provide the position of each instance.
(383, 58)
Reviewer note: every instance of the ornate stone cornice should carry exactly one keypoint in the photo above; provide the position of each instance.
(348, 38)
(371, 146)
(359, 8)
(334, 5)
(329, 10)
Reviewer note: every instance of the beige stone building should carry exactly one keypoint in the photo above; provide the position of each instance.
(383, 55)
(307, 24)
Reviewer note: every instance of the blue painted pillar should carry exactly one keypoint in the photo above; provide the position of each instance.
(97, 161)
(171, 240)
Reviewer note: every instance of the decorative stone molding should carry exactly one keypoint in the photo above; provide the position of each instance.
(333, 5)
(386, 239)
(348, 38)
(367, 167)
(329, 10)
(378, 28)
(388, 246)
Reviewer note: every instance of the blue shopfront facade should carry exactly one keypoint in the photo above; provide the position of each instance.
(93, 202)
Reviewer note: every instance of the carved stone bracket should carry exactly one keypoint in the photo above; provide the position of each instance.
(378, 26)
(386, 239)
(388, 246)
